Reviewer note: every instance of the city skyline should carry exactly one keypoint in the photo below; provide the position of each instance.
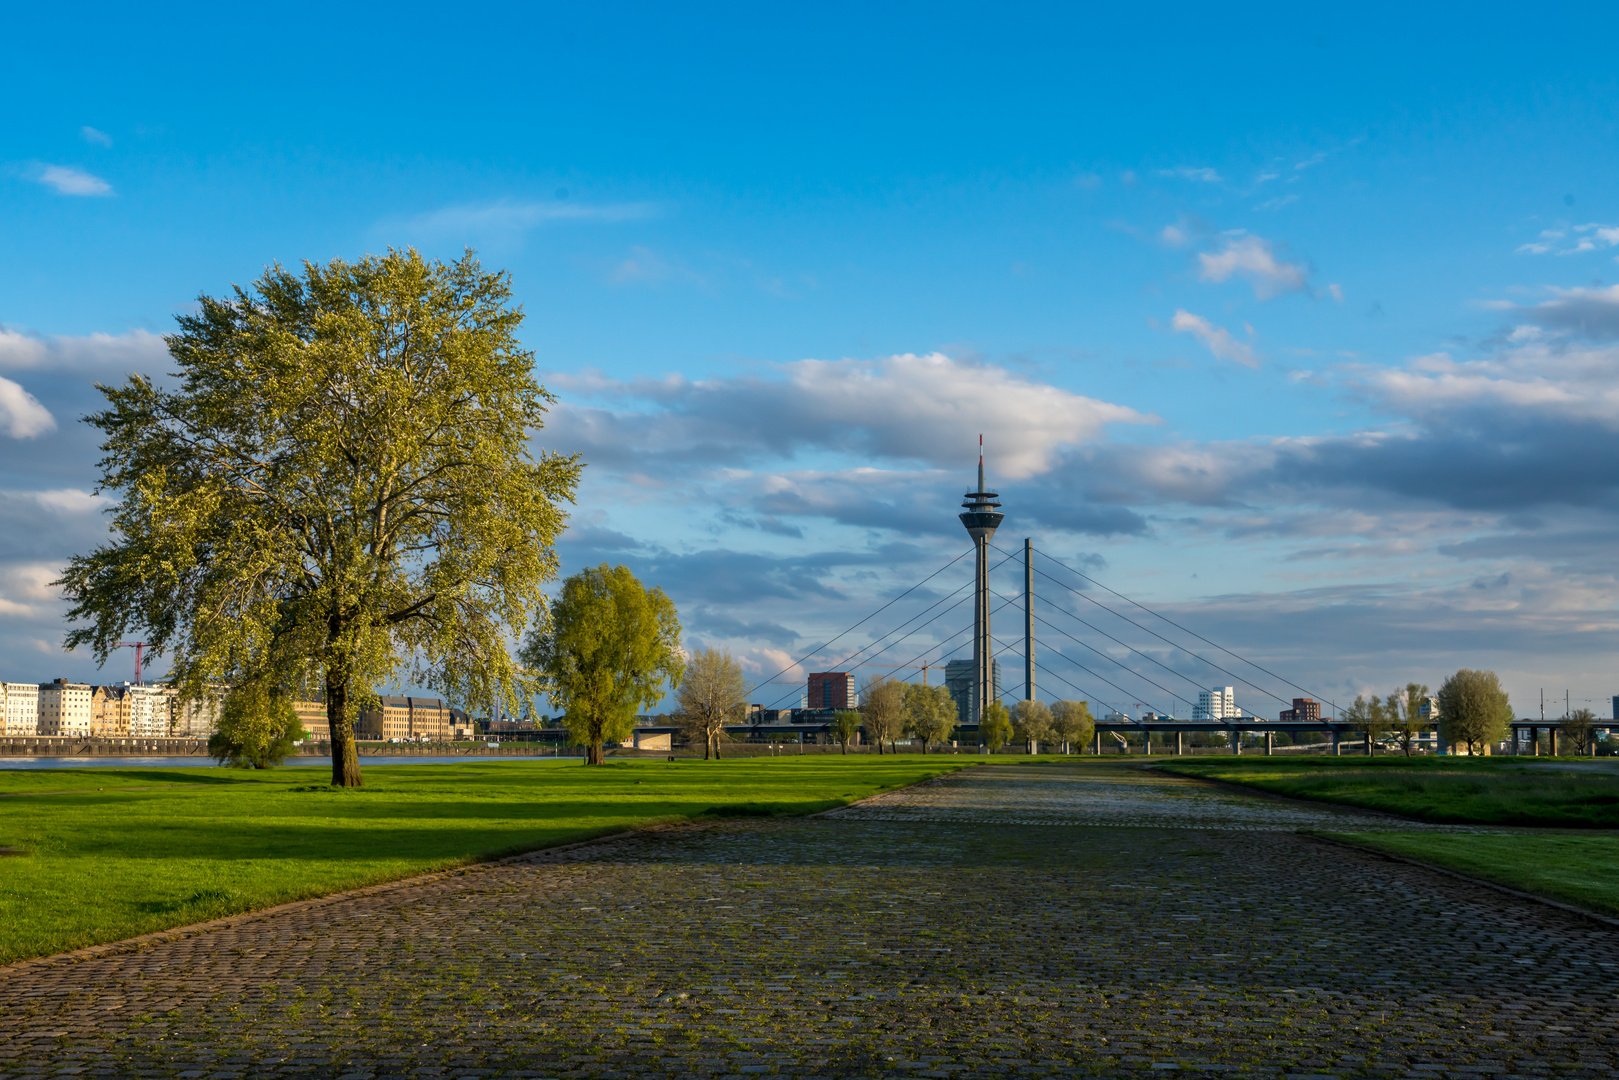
(1311, 351)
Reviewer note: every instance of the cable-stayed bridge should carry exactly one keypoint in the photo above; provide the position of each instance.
(1140, 670)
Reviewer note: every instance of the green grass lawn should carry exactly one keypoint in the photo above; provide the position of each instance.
(1576, 868)
(1481, 791)
(114, 852)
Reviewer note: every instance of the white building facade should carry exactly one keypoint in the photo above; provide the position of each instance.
(1216, 703)
(149, 712)
(19, 708)
(64, 708)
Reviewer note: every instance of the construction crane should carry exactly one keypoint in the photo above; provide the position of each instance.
(924, 667)
(139, 647)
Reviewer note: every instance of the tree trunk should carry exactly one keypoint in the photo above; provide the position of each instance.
(716, 746)
(345, 755)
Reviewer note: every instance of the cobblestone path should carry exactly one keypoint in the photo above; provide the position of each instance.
(1017, 920)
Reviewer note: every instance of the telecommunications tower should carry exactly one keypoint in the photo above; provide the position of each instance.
(981, 519)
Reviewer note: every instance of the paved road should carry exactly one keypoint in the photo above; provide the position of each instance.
(1016, 920)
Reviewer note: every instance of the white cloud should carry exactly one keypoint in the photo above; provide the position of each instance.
(514, 218)
(91, 135)
(1188, 172)
(1174, 236)
(1217, 338)
(1253, 258)
(645, 267)
(21, 415)
(1592, 312)
(67, 180)
(138, 350)
(907, 407)
(1592, 236)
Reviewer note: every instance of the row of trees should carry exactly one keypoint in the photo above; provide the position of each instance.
(890, 710)
(1472, 711)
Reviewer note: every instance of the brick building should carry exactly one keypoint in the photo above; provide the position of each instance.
(831, 690)
(1304, 711)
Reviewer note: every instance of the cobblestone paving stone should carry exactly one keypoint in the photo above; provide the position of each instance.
(957, 943)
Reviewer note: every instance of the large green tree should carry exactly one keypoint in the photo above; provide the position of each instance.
(340, 486)
(610, 647)
(930, 713)
(1031, 723)
(1473, 709)
(995, 726)
(1071, 721)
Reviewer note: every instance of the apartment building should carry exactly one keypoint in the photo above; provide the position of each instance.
(19, 708)
(64, 708)
(150, 711)
(405, 718)
(195, 719)
(312, 715)
(109, 711)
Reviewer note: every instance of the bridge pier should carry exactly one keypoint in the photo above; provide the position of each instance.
(1180, 743)
(1098, 750)
(1270, 743)
(1534, 742)
(1146, 743)
(1337, 750)
(1551, 739)
(1236, 742)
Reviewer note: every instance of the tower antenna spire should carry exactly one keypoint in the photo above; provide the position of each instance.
(981, 519)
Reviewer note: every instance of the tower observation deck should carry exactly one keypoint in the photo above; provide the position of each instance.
(982, 518)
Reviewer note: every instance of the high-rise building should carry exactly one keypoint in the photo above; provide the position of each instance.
(958, 679)
(831, 690)
(19, 708)
(1216, 703)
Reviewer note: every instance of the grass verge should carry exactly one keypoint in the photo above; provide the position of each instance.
(1480, 791)
(109, 853)
(1579, 869)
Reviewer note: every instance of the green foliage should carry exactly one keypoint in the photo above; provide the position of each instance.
(1071, 721)
(1369, 716)
(1405, 711)
(845, 726)
(995, 726)
(194, 844)
(882, 706)
(341, 487)
(1581, 870)
(930, 713)
(712, 694)
(1473, 709)
(257, 728)
(609, 648)
(1031, 722)
(1449, 790)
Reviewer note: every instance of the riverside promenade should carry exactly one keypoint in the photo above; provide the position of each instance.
(1013, 920)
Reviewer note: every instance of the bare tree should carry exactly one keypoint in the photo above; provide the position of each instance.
(712, 694)
(1369, 717)
(1071, 722)
(1405, 712)
(882, 704)
(1031, 723)
(1580, 731)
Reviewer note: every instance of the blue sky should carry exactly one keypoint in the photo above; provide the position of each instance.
(1300, 327)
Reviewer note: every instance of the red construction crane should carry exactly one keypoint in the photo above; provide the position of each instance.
(138, 646)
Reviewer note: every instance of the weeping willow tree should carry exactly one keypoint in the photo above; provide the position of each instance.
(338, 487)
